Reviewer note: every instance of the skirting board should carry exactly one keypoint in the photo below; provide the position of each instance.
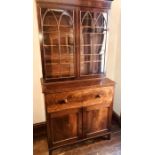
(39, 129)
(117, 118)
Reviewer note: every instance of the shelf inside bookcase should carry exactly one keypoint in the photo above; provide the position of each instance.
(60, 70)
(90, 61)
(57, 45)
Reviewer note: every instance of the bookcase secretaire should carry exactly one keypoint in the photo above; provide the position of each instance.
(78, 96)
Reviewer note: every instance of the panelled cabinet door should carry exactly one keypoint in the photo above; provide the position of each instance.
(93, 36)
(96, 120)
(58, 43)
(65, 126)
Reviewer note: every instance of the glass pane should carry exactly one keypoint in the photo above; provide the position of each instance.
(100, 30)
(66, 58)
(98, 49)
(87, 30)
(97, 57)
(98, 38)
(86, 18)
(67, 69)
(85, 68)
(50, 17)
(50, 68)
(93, 32)
(97, 67)
(85, 58)
(66, 39)
(86, 39)
(63, 70)
(51, 38)
(48, 29)
(101, 20)
(58, 42)
(86, 49)
(66, 18)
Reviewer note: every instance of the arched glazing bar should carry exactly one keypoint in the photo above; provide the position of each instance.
(93, 32)
(57, 26)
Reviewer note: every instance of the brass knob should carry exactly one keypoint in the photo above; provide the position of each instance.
(63, 101)
(98, 96)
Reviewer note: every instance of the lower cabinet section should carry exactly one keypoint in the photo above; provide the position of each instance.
(95, 120)
(77, 115)
(77, 124)
(65, 126)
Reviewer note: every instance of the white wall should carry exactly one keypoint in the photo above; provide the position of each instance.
(38, 100)
(113, 63)
(114, 52)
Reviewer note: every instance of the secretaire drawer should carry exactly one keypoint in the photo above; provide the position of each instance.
(102, 93)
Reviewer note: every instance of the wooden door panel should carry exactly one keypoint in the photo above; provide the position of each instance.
(65, 126)
(96, 120)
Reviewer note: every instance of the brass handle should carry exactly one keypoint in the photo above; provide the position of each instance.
(98, 96)
(63, 101)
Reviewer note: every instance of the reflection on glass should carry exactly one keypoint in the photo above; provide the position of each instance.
(93, 42)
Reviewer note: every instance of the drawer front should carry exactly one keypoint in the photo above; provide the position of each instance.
(100, 94)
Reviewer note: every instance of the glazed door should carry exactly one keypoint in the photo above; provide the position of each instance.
(96, 120)
(65, 126)
(58, 42)
(93, 36)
